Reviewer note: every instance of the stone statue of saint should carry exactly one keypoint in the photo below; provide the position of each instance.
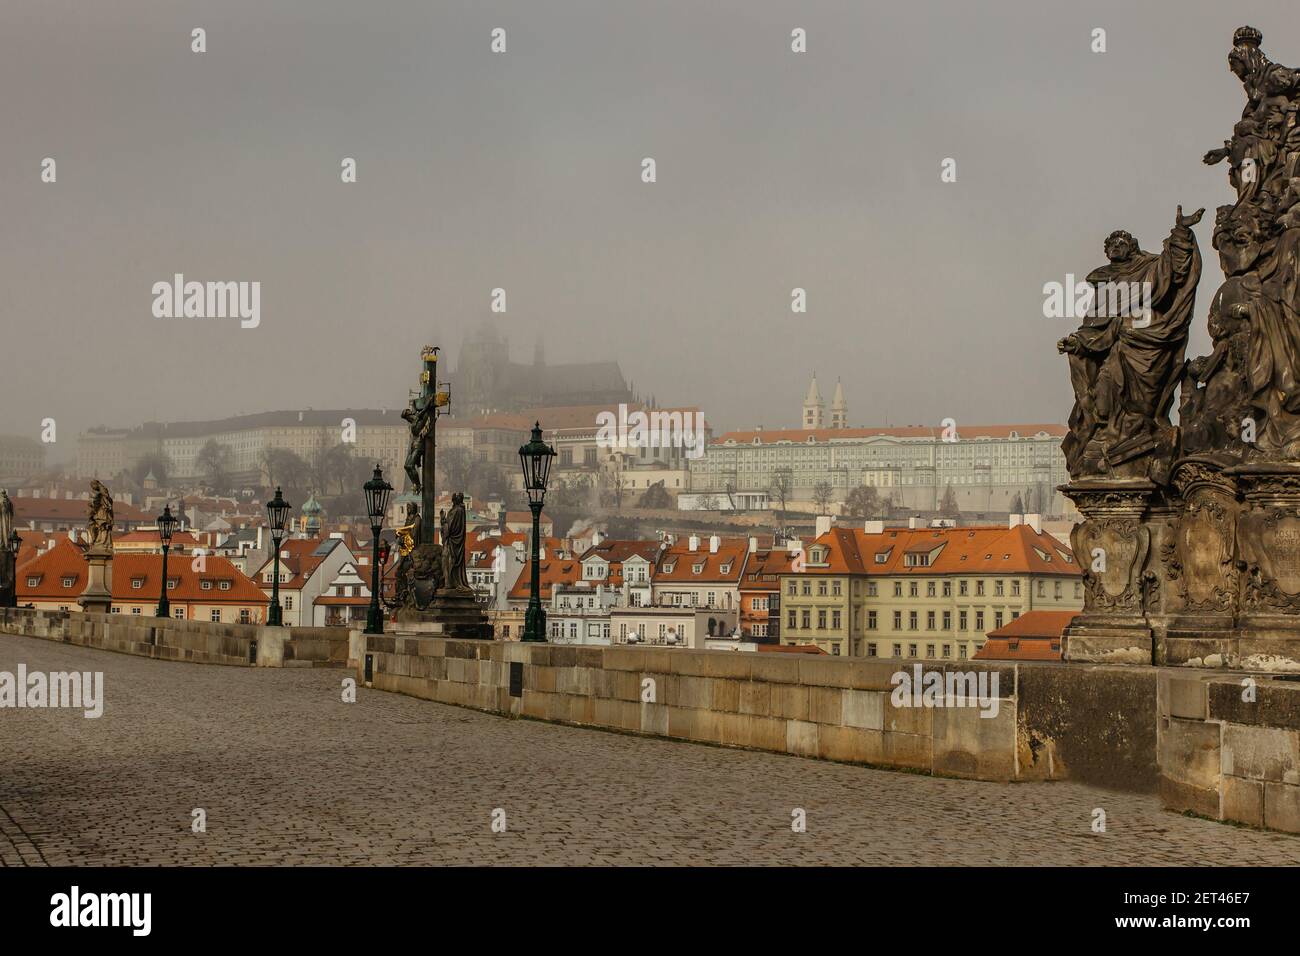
(453, 545)
(1126, 363)
(6, 516)
(99, 527)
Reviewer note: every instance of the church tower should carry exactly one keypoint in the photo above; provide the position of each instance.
(814, 409)
(839, 408)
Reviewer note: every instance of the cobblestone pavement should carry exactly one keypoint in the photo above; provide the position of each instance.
(289, 774)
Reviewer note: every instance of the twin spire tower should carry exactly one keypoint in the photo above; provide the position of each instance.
(814, 409)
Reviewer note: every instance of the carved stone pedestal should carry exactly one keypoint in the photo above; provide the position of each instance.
(97, 596)
(457, 613)
(1268, 556)
(1111, 544)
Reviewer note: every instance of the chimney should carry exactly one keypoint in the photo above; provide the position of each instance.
(874, 526)
(694, 542)
(912, 522)
(1035, 522)
(753, 544)
(823, 525)
(794, 545)
(596, 538)
(714, 541)
(1015, 520)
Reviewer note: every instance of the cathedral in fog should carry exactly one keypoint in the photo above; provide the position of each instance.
(485, 380)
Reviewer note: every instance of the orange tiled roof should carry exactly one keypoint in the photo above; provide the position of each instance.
(969, 550)
(67, 561)
(1037, 624)
(551, 572)
(682, 561)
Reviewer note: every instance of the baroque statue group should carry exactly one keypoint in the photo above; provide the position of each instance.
(1190, 543)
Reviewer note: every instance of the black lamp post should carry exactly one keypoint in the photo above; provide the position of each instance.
(536, 459)
(377, 492)
(166, 527)
(10, 548)
(277, 510)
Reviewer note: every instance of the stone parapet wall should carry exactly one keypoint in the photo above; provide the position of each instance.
(1231, 750)
(1046, 726)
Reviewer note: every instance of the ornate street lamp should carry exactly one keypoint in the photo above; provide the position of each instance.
(377, 492)
(536, 457)
(166, 527)
(277, 510)
(10, 548)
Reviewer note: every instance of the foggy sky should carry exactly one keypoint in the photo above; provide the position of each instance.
(522, 170)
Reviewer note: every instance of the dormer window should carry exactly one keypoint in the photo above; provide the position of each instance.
(206, 585)
(697, 568)
(225, 585)
(69, 582)
(33, 582)
(725, 569)
(137, 583)
(171, 584)
(668, 568)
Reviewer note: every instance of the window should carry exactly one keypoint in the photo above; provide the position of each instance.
(225, 585)
(871, 589)
(215, 615)
(929, 620)
(1015, 588)
(835, 588)
(807, 589)
(835, 620)
(979, 588)
(206, 586)
(1056, 590)
(898, 650)
(947, 589)
(135, 610)
(871, 650)
(33, 582)
(835, 650)
(961, 588)
(792, 587)
(898, 620)
(997, 619)
(288, 602)
(929, 650)
(961, 651)
(911, 620)
(929, 589)
(245, 616)
(1078, 590)
(911, 650)
(171, 584)
(979, 621)
(806, 618)
(912, 589)
(947, 650)
(1042, 589)
(821, 620)
(898, 589)
(871, 621)
(179, 614)
(790, 619)
(137, 583)
(997, 589)
(961, 620)
(821, 588)
(69, 582)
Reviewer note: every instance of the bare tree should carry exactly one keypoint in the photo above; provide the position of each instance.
(862, 502)
(781, 486)
(823, 494)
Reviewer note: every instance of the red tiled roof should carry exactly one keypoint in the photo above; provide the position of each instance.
(1037, 624)
(968, 550)
(682, 560)
(551, 571)
(790, 649)
(1034, 636)
(72, 510)
(66, 560)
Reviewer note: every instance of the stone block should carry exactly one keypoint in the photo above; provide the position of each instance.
(818, 671)
(712, 664)
(801, 738)
(755, 697)
(618, 714)
(905, 750)
(907, 719)
(789, 701)
(1186, 697)
(1243, 800)
(726, 695)
(681, 691)
(850, 744)
(965, 743)
(654, 719)
(775, 668)
(1282, 807)
(1260, 753)
(864, 709)
(826, 705)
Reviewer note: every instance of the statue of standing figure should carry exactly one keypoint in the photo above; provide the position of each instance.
(6, 516)
(453, 545)
(99, 526)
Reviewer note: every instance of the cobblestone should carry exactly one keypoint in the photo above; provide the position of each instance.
(289, 774)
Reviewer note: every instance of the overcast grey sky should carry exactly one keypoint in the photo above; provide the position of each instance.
(522, 170)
